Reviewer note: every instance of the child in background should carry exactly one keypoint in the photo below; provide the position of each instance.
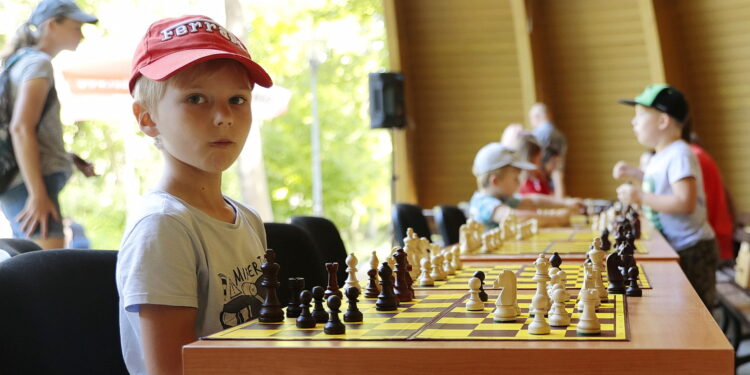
(497, 169)
(189, 263)
(535, 181)
(671, 193)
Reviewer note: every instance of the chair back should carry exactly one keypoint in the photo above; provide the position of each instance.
(60, 313)
(296, 255)
(327, 240)
(406, 215)
(15, 246)
(448, 220)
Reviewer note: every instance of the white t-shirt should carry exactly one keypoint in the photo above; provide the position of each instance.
(174, 254)
(665, 168)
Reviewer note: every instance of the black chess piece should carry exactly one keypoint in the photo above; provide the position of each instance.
(555, 260)
(606, 245)
(634, 290)
(616, 282)
(296, 284)
(305, 318)
(333, 283)
(636, 225)
(387, 300)
(401, 288)
(482, 294)
(270, 310)
(319, 313)
(334, 325)
(352, 313)
(372, 290)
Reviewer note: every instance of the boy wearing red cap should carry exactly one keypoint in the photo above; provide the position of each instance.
(671, 194)
(189, 262)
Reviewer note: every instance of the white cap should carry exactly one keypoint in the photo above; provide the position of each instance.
(497, 155)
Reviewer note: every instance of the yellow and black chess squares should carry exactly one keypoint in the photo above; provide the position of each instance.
(583, 247)
(522, 247)
(400, 324)
(524, 277)
(546, 236)
(460, 324)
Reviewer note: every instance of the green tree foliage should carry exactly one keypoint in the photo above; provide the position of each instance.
(355, 159)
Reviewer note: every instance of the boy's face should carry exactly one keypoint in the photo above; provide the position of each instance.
(648, 124)
(203, 121)
(507, 183)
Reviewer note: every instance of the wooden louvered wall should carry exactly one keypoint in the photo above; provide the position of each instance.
(465, 83)
(464, 88)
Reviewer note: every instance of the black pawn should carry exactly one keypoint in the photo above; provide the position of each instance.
(305, 319)
(636, 221)
(334, 325)
(555, 260)
(352, 313)
(296, 284)
(387, 300)
(319, 313)
(606, 245)
(482, 294)
(372, 290)
(616, 282)
(633, 289)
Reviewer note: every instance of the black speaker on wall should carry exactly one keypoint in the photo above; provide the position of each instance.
(387, 100)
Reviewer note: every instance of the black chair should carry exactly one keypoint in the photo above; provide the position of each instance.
(448, 220)
(296, 255)
(16, 246)
(327, 240)
(60, 313)
(406, 215)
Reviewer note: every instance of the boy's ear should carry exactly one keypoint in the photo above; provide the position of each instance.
(664, 120)
(145, 121)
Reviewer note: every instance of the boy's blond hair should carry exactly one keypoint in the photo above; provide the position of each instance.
(483, 180)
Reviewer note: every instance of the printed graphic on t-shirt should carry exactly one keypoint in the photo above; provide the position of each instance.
(242, 300)
(649, 186)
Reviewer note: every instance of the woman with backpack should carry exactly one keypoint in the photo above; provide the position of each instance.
(29, 198)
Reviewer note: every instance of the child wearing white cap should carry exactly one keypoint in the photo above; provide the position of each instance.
(497, 169)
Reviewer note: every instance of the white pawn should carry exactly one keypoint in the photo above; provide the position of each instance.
(437, 264)
(505, 305)
(588, 323)
(374, 262)
(464, 239)
(425, 279)
(474, 303)
(456, 261)
(558, 316)
(448, 263)
(351, 269)
(539, 325)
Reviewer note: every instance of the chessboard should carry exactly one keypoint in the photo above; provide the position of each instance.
(561, 241)
(524, 274)
(434, 316)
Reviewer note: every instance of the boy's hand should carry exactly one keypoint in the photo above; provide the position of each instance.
(623, 170)
(574, 204)
(629, 194)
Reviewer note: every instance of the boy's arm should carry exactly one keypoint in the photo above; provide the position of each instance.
(557, 182)
(682, 200)
(534, 201)
(625, 170)
(164, 330)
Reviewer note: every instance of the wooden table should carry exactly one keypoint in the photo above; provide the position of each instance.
(657, 245)
(670, 332)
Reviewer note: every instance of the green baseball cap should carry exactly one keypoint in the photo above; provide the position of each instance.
(664, 98)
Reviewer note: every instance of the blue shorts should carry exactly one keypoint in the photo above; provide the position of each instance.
(14, 199)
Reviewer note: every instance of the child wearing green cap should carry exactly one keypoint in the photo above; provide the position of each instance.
(671, 192)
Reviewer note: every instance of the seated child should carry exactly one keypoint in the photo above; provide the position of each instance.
(535, 181)
(190, 258)
(671, 192)
(497, 169)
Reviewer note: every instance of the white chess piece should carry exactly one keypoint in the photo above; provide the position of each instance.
(425, 279)
(539, 325)
(474, 303)
(597, 258)
(448, 262)
(505, 305)
(464, 239)
(351, 269)
(541, 277)
(588, 323)
(558, 316)
(437, 262)
(456, 261)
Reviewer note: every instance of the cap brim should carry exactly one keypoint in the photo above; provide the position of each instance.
(82, 16)
(523, 165)
(169, 65)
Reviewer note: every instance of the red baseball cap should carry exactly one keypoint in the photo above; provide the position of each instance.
(173, 44)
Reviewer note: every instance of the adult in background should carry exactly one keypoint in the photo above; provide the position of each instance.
(550, 137)
(31, 200)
